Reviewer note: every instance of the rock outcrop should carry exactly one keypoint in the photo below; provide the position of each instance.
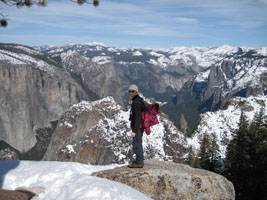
(8, 154)
(15, 195)
(171, 181)
(98, 132)
(33, 92)
(21, 193)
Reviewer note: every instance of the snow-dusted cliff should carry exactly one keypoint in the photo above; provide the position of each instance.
(223, 122)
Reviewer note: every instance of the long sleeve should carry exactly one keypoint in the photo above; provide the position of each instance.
(137, 114)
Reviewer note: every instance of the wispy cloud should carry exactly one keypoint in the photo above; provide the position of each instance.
(186, 20)
(168, 22)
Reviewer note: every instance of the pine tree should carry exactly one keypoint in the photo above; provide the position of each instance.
(246, 159)
(190, 160)
(204, 153)
(209, 154)
(215, 160)
(258, 149)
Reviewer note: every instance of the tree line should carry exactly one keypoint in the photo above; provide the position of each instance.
(245, 164)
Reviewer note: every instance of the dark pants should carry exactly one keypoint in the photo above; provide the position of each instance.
(138, 147)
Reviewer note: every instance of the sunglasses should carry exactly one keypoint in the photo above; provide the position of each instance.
(131, 91)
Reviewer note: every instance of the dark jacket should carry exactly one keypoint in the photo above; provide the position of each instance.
(136, 113)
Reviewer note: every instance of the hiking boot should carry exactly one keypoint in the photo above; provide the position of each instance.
(136, 165)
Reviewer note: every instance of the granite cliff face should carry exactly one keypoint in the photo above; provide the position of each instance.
(242, 74)
(170, 181)
(99, 133)
(33, 92)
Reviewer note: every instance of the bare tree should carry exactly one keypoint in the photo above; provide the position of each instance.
(40, 3)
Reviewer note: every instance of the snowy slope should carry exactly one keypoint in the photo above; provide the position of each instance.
(65, 181)
(224, 122)
(18, 54)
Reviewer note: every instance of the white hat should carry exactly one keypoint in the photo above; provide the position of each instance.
(133, 87)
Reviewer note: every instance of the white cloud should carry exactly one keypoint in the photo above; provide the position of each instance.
(186, 20)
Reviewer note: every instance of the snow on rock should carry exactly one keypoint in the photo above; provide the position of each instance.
(24, 58)
(111, 49)
(204, 56)
(107, 102)
(203, 76)
(137, 53)
(28, 50)
(111, 125)
(262, 51)
(224, 122)
(101, 59)
(65, 181)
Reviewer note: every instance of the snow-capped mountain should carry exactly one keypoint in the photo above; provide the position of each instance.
(223, 122)
(163, 58)
(99, 132)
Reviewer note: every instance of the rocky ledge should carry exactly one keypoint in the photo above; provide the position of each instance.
(167, 180)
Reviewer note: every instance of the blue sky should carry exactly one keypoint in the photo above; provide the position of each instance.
(140, 23)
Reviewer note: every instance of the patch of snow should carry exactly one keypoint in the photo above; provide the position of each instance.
(262, 51)
(101, 59)
(108, 103)
(203, 56)
(137, 53)
(202, 77)
(155, 54)
(112, 49)
(19, 58)
(153, 62)
(28, 50)
(70, 148)
(65, 181)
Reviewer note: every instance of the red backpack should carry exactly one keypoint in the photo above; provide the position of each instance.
(149, 117)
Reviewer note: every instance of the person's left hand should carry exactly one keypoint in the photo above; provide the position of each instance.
(133, 134)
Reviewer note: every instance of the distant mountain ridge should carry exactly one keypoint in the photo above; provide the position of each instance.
(178, 72)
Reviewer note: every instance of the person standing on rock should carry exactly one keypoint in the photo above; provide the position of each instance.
(137, 133)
